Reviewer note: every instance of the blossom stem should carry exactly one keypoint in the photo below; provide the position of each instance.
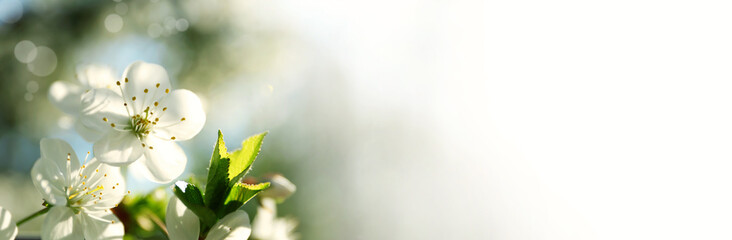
(34, 215)
(158, 222)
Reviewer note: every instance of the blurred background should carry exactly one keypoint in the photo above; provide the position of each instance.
(417, 119)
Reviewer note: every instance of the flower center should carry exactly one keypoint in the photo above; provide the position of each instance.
(141, 125)
(87, 189)
(77, 197)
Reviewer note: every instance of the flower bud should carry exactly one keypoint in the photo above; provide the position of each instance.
(280, 188)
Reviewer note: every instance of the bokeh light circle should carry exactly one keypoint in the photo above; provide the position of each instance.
(32, 86)
(113, 23)
(45, 62)
(121, 8)
(10, 11)
(25, 51)
(169, 23)
(65, 122)
(181, 24)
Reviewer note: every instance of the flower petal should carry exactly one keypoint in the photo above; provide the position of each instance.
(181, 222)
(97, 76)
(163, 163)
(183, 118)
(50, 173)
(61, 224)
(49, 182)
(8, 229)
(118, 148)
(109, 178)
(233, 226)
(66, 96)
(89, 134)
(263, 225)
(59, 152)
(284, 228)
(100, 108)
(102, 225)
(140, 76)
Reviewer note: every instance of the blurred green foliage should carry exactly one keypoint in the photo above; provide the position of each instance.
(144, 215)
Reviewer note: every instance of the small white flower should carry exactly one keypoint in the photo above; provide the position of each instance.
(67, 95)
(267, 226)
(183, 224)
(142, 121)
(81, 195)
(8, 229)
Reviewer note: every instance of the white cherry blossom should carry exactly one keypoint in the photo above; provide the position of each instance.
(8, 229)
(142, 120)
(66, 96)
(81, 195)
(267, 226)
(183, 224)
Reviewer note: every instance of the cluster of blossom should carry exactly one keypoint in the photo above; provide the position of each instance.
(133, 121)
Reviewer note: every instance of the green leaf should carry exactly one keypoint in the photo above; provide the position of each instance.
(193, 200)
(190, 195)
(241, 193)
(217, 184)
(242, 159)
(220, 148)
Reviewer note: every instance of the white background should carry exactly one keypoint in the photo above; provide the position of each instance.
(547, 119)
